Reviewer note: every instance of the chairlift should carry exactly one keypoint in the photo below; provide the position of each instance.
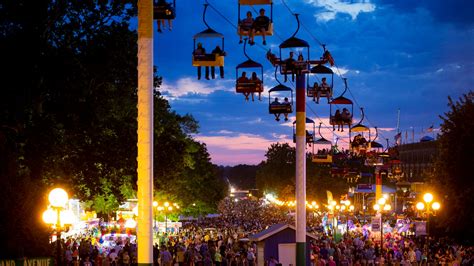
(201, 57)
(309, 135)
(292, 65)
(360, 144)
(286, 106)
(164, 10)
(336, 119)
(249, 85)
(324, 89)
(322, 156)
(242, 32)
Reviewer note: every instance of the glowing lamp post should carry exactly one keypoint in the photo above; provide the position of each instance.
(431, 208)
(57, 216)
(166, 208)
(381, 207)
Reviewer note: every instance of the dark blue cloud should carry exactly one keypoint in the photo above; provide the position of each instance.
(458, 12)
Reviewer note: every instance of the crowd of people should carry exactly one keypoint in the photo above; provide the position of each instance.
(223, 241)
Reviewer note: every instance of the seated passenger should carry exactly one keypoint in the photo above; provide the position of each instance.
(272, 58)
(299, 64)
(345, 118)
(246, 25)
(323, 89)
(337, 120)
(290, 67)
(327, 57)
(162, 4)
(261, 24)
(286, 102)
(218, 52)
(258, 85)
(244, 79)
(314, 90)
(276, 102)
(200, 52)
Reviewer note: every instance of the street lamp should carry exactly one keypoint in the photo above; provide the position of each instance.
(166, 208)
(57, 216)
(381, 207)
(430, 208)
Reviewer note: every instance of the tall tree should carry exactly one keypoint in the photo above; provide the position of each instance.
(68, 112)
(277, 174)
(453, 172)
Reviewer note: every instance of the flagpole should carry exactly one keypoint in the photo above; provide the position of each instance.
(398, 120)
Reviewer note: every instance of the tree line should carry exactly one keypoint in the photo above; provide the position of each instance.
(68, 118)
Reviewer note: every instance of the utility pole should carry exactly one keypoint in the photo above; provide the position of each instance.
(145, 132)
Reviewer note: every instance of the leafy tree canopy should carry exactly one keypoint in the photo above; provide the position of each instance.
(68, 115)
(453, 173)
(277, 174)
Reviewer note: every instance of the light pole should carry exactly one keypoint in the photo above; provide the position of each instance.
(431, 208)
(57, 216)
(347, 208)
(380, 207)
(166, 208)
(145, 132)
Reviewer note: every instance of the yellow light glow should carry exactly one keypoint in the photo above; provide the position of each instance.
(343, 207)
(66, 217)
(436, 206)
(130, 223)
(58, 197)
(338, 207)
(428, 197)
(385, 196)
(135, 210)
(160, 208)
(382, 201)
(155, 204)
(420, 206)
(387, 207)
(347, 202)
(313, 203)
(170, 208)
(376, 207)
(333, 203)
(50, 216)
(351, 208)
(167, 204)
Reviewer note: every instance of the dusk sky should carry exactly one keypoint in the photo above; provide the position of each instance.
(407, 55)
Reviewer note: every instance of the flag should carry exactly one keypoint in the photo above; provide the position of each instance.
(430, 129)
(398, 138)
(329, 195)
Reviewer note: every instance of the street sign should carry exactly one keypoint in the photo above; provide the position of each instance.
(420, 229)
(364, 186)
(376, 226)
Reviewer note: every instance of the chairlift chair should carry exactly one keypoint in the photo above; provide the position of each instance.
(164, 10)
(322, 158)
(269, 31)
(249, 86)
(355, 145)
(208, 59)
(324, 72)
(309, 135)
(345, 103)
(294, 43)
